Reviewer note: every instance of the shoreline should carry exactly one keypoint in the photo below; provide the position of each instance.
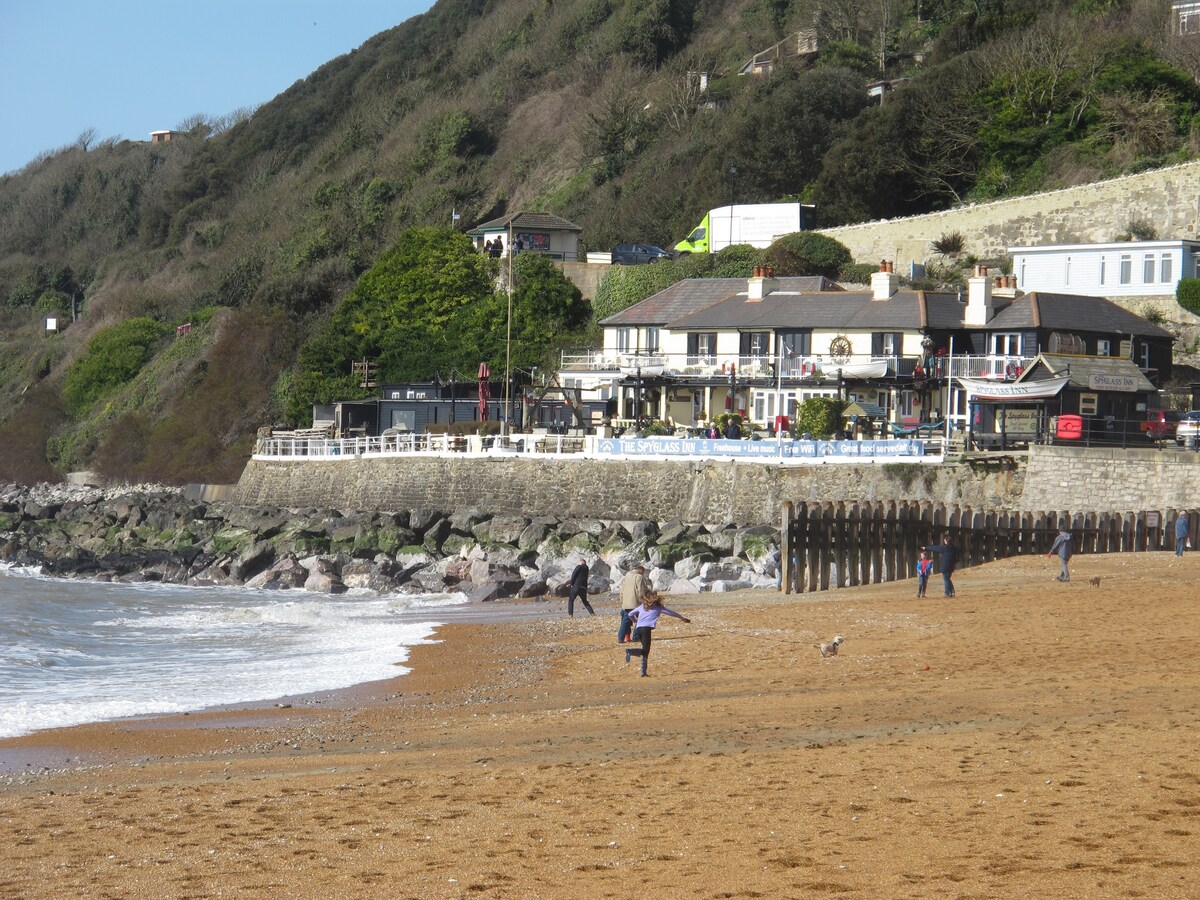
(1025, 737)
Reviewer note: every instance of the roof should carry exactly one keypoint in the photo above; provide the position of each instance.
(693, 295)
(1106, 246)
(1072, 312)
(526, 220)
(1080, 370)
(786, 308)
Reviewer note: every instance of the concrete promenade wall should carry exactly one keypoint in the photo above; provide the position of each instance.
(693, 492)
(1100, 479)
(1167, 198)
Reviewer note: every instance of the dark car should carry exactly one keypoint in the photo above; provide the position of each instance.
(1160, 424)
(636, 254)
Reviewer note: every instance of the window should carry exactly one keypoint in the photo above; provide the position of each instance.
(1006, 344)
(755, 344)
(1145, 355)
(1104, 347)
(623, 340)
(1126, 268)
(702, 347)
(1164, 269)
(1148, 269)
(1088, 404)
(1067, 272)
(906, 403)
(652, 339)
(1103, 259)
(886, 343)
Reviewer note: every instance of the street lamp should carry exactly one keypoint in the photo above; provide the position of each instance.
(732, 195)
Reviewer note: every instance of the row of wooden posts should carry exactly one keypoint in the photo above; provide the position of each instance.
(828, 545)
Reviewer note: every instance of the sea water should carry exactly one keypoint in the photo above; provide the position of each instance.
(82, 651)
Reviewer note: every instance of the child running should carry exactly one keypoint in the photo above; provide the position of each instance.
(644, 618)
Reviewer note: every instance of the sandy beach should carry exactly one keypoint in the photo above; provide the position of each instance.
(1027, 737)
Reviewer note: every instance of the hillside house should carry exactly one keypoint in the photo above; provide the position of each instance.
(1185, 17)
(538, 233)
(762, 345)
(1116, 269)
(799, 46)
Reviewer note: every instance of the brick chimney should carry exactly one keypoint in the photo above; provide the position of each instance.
(1006, 286)
(979, 298)
(885, 282)
(761, 283)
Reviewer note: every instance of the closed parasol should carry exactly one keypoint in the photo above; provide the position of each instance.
(485, 391)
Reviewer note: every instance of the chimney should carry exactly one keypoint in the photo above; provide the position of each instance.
(761, 283)
(1006, 286)
(885, 282)
(979, 298)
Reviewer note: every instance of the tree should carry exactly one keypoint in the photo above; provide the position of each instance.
(807, 253)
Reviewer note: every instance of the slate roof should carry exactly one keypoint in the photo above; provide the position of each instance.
(1069, 312)
(794, 309)
(1081, 368)
(525, 220)
(693, 295)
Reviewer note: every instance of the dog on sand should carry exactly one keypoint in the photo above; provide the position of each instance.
(830, 648)
(1094, 581)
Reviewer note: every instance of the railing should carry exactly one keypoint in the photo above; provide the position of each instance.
(713, 365)
(286, 447)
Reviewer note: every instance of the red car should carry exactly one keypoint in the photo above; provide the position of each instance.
(1161, 424)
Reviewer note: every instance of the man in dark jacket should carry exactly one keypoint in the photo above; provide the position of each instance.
(579, 588)
(949, 558)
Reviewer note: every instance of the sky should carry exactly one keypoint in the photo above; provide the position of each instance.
(125, 68)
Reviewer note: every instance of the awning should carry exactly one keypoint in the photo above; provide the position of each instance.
(1014, 392)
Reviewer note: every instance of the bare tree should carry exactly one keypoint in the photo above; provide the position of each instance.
(686, 87)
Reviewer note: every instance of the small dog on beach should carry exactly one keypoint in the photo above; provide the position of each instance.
(830, 648)
(1095, 581)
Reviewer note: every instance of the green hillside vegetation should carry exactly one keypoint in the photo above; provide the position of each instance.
(282, 233)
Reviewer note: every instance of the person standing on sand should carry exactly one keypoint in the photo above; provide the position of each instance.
(1062, 547)
(949, 554)
(644, 618)
(634, 589)
(1182, 533)
(579, 588)
(924, 568)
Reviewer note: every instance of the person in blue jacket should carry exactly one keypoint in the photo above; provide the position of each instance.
(1182, 533)
(924, 568)
(1062, 547)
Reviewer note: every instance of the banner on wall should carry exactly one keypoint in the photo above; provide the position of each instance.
(667, 446)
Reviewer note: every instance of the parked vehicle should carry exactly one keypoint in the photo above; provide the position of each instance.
(636, 254)
(756, 224)
(1187, 432)
(1161, 424)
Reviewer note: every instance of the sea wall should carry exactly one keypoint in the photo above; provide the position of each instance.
(1166, 198)
(1104, 479)
(705, 492)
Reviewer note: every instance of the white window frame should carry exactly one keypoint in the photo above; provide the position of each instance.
(1126, 276)
(623, 335)
(1006, 343)
(1103, 260)
(1104, 347)
(1165, 269)
(1148, 261)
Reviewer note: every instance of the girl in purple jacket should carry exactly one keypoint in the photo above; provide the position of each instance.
(644, 618)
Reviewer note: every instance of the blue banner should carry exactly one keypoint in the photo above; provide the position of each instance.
(769, 449)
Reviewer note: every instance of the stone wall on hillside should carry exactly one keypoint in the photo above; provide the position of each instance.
(1111, 479)
(1169, 199)
(693, 492)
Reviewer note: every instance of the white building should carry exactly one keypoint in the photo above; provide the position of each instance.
(1118, 269)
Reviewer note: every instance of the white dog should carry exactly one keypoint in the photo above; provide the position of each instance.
(830, 648)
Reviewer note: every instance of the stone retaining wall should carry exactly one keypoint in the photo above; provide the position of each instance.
(1102, 479)
(1169, 199)
(695, 492)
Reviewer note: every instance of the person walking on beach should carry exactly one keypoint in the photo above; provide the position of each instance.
(1182, 533)
(634, 589)
(579, 588)
(924, 568)
(1062, 547)
(644, 618)
(949, 554)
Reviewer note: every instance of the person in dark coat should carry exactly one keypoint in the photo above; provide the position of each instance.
(579, 588)
(733, 431)
(949, 556)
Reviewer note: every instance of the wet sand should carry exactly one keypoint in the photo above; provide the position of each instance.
(1027, 737)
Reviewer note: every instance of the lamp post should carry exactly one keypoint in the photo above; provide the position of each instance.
(732, 195)
(508, 337)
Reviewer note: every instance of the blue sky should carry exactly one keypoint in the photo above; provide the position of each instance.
(129, 67)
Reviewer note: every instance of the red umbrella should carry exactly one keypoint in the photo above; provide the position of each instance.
(485, 391)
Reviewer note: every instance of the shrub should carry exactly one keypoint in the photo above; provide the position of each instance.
(819, 417)
(949, 244)
(857, 273)
(1187, 293)
(114, 356)
(807, 253)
